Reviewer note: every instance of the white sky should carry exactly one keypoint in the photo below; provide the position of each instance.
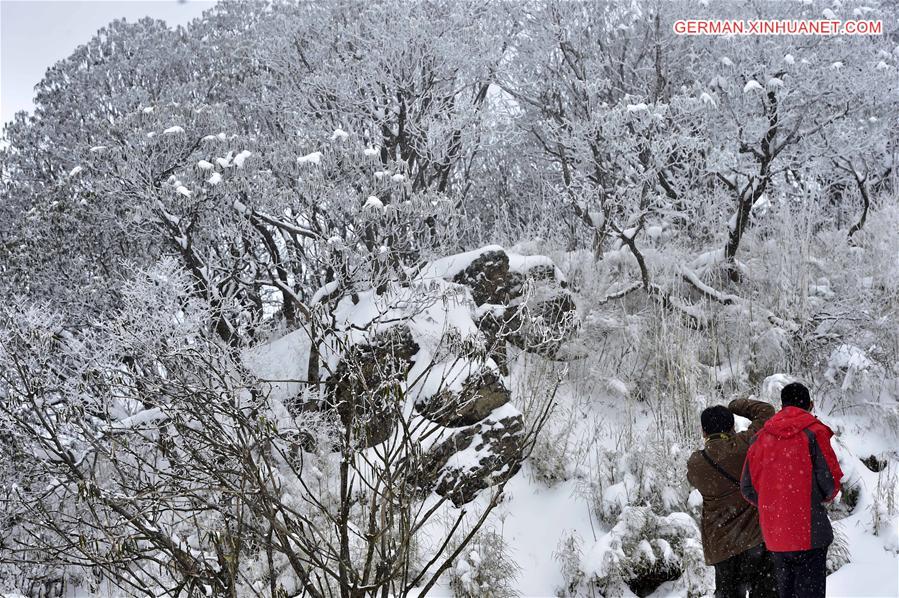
(35, 34)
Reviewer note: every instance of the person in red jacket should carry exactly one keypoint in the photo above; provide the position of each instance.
(790, 472)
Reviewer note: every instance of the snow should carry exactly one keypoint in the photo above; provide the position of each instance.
(282, 364)
(97, 148)
(449, 266)
(774, 83)
(75, 171)
(313, 158)
(641, 107)
(226, 161)
(523, 263)
(534, 518)
(789, 59)
(182, 190)
(751, 85)
(339, 135)
(449, 375)
(398, 178)
(829, 14)
(867, 575)
(772, 385)
(705, 98)
(215, 179)
(147, 416)
(726, 61)
(848, 356)
(240, 158)
(373, 203)
(204, 165)
(324, 291)
(760, 207)
(147, 110)
(216, 137)
(173, 130)
(708, 259)
(371, 152)
(837, 65)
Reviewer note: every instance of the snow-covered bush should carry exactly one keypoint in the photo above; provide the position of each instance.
(641, 551)
(485, 568)
(639, 476)
(884, 507)
(839, 552)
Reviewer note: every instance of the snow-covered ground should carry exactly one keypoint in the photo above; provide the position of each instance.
(534, 517)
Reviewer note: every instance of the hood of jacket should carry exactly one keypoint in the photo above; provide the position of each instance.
(789, 422)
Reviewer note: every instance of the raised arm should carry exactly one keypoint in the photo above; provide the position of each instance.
(757, 411)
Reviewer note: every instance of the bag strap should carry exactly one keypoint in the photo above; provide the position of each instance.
(720, 469)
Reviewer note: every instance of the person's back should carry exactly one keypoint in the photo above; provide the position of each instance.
(731, 538)
(790, 472)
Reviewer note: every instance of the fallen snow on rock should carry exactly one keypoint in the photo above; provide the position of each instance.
(752, 85)
(313, 158)
(240, 158)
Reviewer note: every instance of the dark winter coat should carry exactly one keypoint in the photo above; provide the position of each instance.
(790, 472)
(729, 524)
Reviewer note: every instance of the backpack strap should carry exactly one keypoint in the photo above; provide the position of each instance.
(720, 469)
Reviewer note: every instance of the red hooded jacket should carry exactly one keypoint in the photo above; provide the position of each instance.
(790, 472)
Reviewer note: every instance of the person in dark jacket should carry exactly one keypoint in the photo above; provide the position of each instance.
(731, 537)
(790, 472)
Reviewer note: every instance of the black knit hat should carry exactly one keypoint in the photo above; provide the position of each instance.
(795, 395)
(717, 419)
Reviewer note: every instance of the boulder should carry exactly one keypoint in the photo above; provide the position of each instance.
(479, 395)
(474, 457)
(366, 386)
(489, 279)
(543, 326)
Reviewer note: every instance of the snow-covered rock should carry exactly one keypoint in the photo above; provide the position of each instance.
(752, 85)
(240, 158)
(373, 203)
(312, 158)
(461, 392)
(536, 309)
(474, 457)
(364, 388)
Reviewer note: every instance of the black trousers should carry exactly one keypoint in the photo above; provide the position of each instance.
(801, 574)
(748, 572)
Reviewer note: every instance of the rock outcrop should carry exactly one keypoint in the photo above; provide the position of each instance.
(367, 384)
(432, 348)
(475, 457)
(479, 394)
